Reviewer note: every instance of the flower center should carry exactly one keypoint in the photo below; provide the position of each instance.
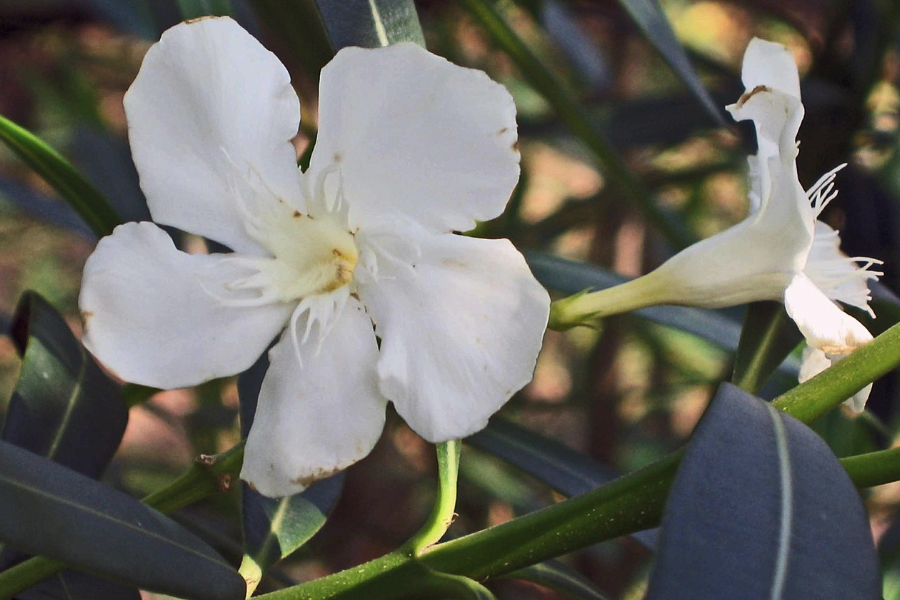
(309, 256)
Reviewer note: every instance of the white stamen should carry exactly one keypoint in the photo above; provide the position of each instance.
(823, 192)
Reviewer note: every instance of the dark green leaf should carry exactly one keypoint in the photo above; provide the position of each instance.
(66, 516)
(63, 407)
(767, 338)
(297, 28)
(370, 23)
(194, 9)
(561, 468)
(72, 585)
(42, 207)
(131, 16)
(650, 18)
(275, 528)
(106, 161)
(760, 508)
(87, 201)
(560, 577)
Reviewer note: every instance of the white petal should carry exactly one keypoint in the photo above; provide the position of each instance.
(777, 119)
(822, 323)
(461, 328)
(210, 110)
(838, 276)
(415, 135)
(858, 402)
(151, 321)
(320, 415)
(772, 65)
(815, 361)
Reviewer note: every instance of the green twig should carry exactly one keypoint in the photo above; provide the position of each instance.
(444, 504)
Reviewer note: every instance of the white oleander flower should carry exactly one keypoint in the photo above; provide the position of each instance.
(353, 263)
(779, 252)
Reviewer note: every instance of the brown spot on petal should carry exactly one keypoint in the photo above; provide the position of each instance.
(203, 18)
(308, 480)
(338, 157)
(297, 214)
(760, 88)
(502, 131)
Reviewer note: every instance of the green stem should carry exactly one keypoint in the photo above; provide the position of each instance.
(444, 504)
(832, 386)
(570, 111)
(767, 338)
(210, 475)
(629, 504)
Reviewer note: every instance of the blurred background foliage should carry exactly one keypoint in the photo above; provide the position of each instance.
(623, 393)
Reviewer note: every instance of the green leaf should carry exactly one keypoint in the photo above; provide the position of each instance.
(760, 508)
(370, 23)
(72, 585)
(297, 28)
(132, 16)
(273, 529)
(87, 201)
(63, 406)
(43, 208)
(653, 22)
(561, 468)
(66, 516)
(767, 338)
(194, 9)
(560, 577)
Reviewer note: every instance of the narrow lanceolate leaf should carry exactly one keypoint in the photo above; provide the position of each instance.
(87, 201)
(561, 468)
(105, 160)
(761, 509)
(274, 528)
(768, 336)
(72, 585)
(194, 9)
(43, 208)
(571, 277)
(63, 406)
(650, 18)
(370, 23)
(66, 516)
(560, 577)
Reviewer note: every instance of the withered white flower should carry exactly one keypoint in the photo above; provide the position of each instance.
(354, 262)
(779, 252)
